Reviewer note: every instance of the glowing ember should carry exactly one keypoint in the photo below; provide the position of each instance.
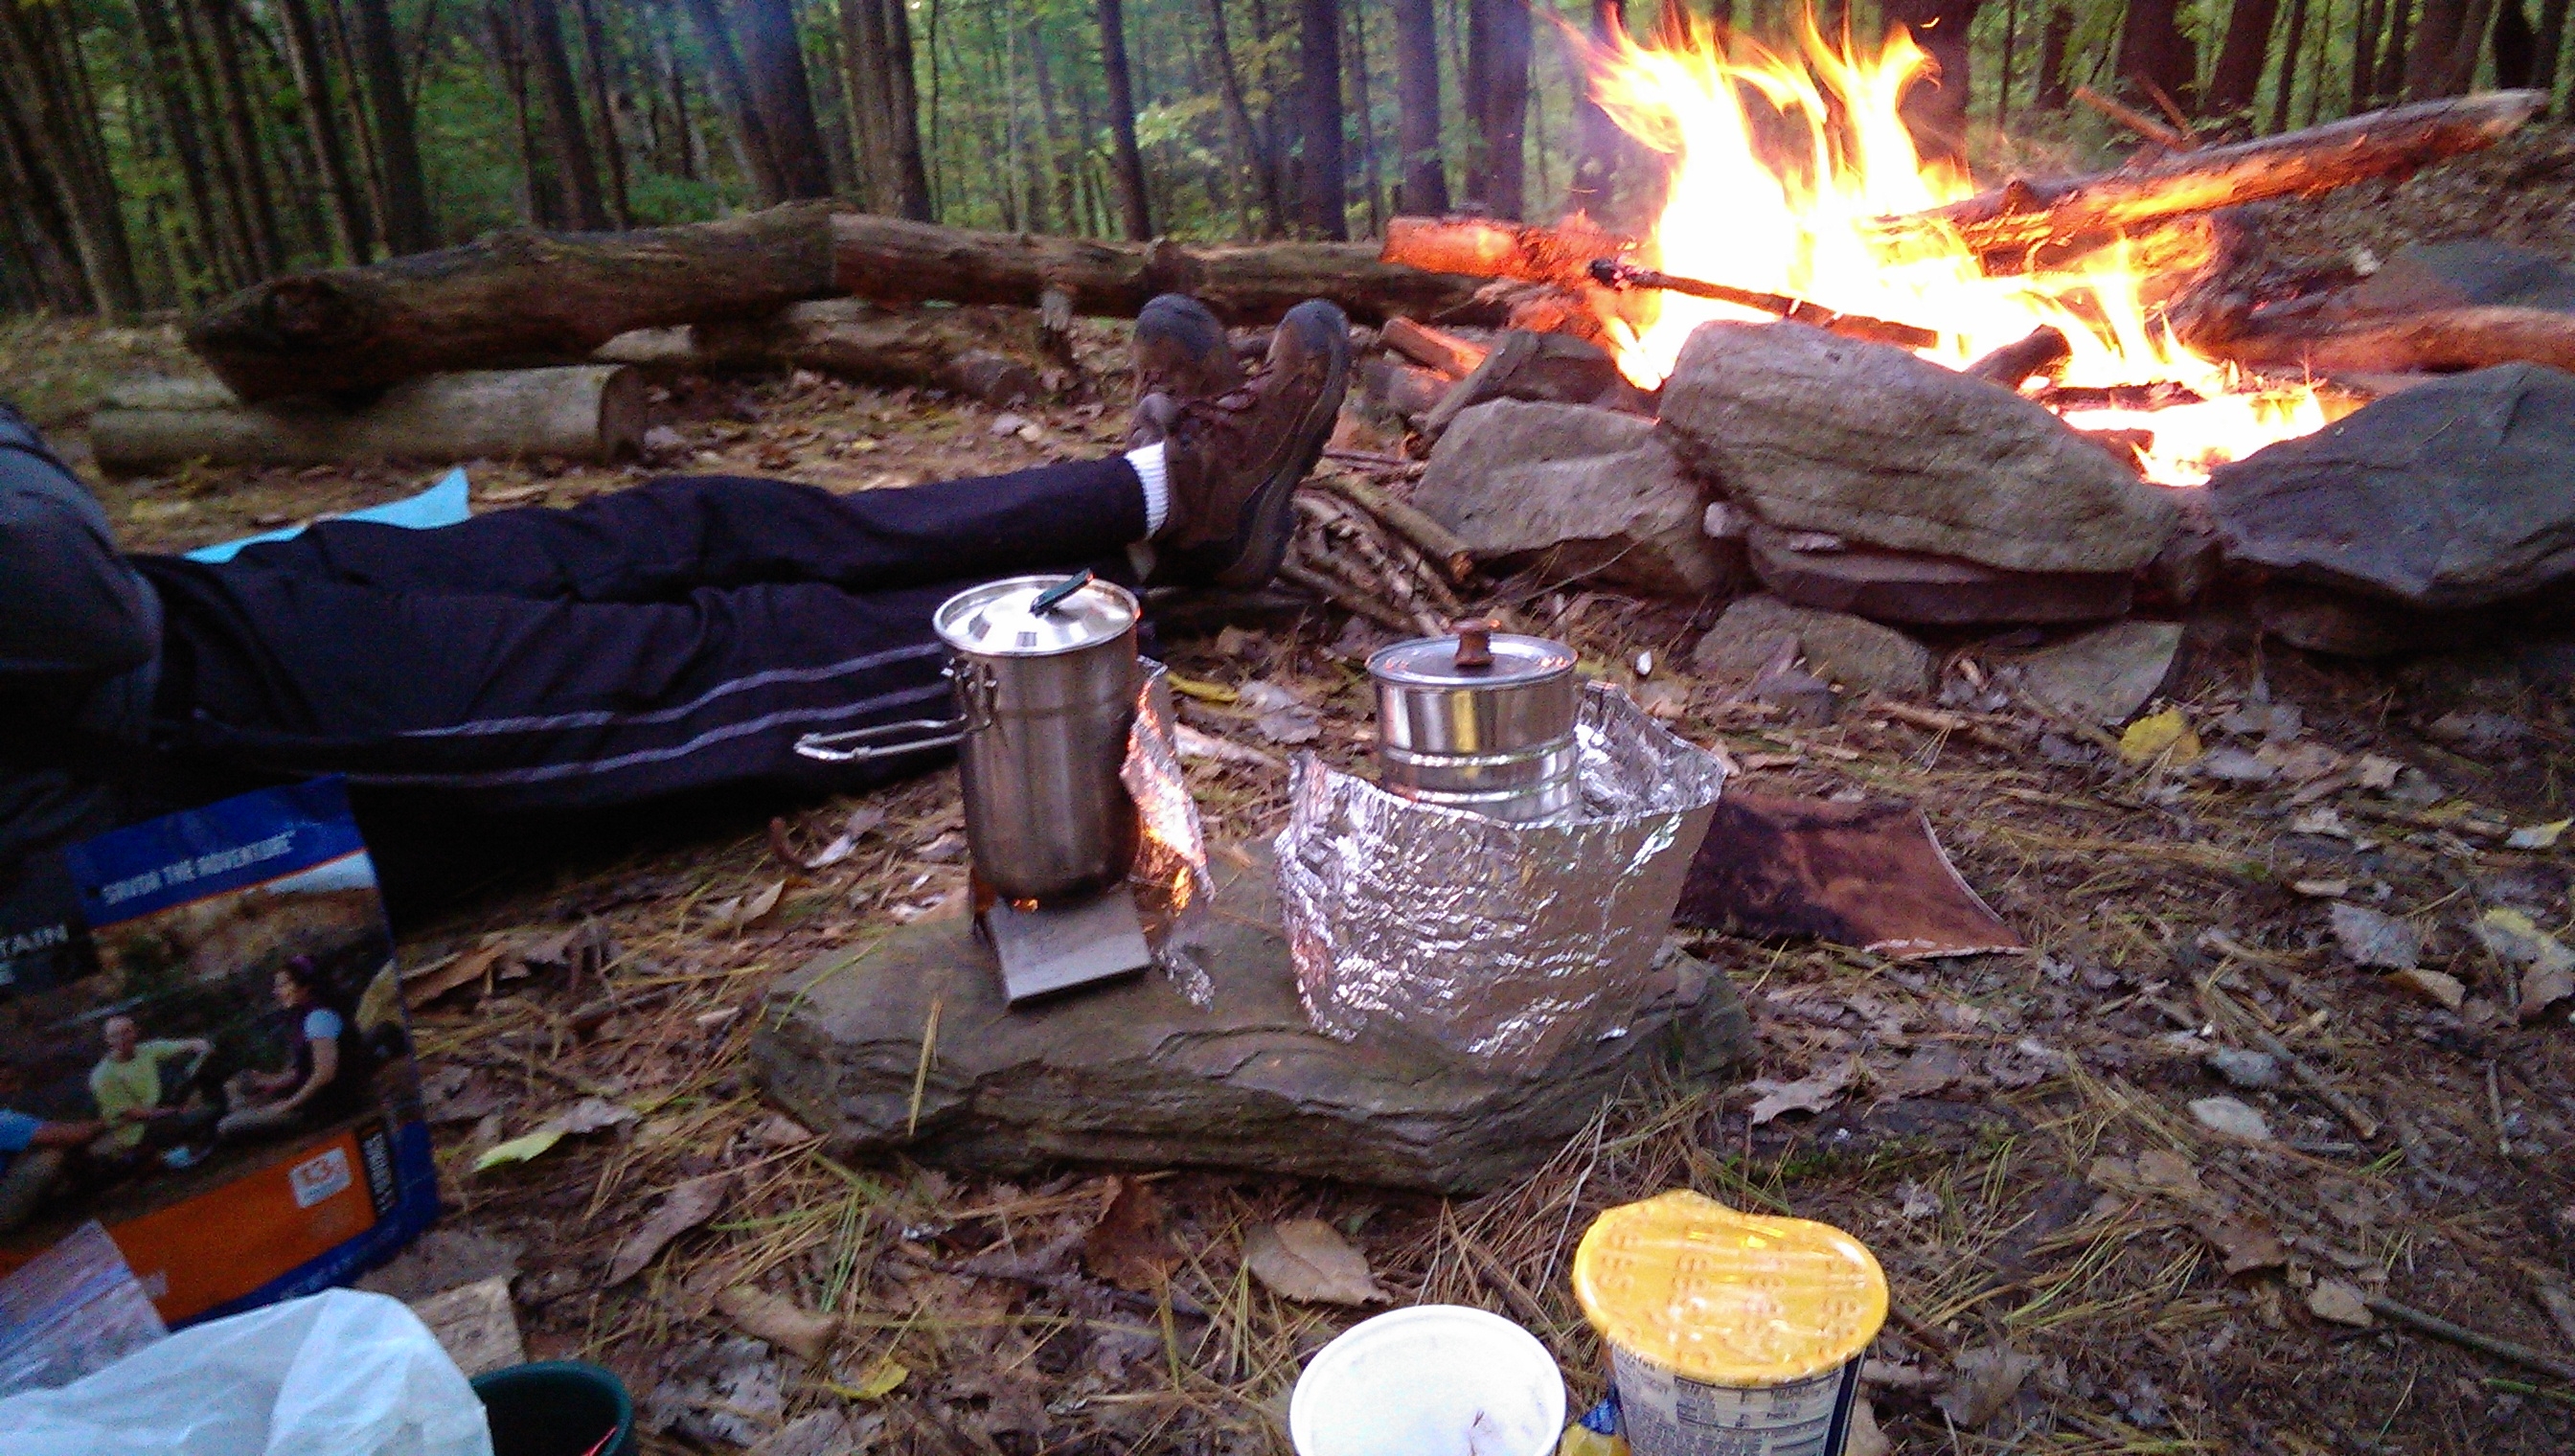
(1802, 224)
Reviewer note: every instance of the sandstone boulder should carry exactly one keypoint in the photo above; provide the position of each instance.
(1138, 1074)
(1819, 433)
(1583, 491)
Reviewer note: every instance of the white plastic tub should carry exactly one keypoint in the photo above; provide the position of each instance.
(1433, 1380)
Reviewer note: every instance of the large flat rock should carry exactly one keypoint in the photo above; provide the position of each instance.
(2451, 495)
(1819, 433)
(1136, 1075)
(1582, 492)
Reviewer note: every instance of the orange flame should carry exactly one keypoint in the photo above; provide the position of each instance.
(1785, 196)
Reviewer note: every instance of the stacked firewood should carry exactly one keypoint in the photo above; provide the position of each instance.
(1360, 547)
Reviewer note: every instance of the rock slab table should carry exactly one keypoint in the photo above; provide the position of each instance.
(1137, 1074)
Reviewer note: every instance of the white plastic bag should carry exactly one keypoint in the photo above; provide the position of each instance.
(337, 1374)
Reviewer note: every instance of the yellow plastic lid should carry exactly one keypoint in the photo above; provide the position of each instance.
(1728, 1298)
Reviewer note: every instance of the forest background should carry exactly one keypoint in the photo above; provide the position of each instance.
(157, 153)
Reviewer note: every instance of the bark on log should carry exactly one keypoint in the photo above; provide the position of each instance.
(2437, 340)
(890, 260)
(994, 354)
(584, 411)
(524, 296)
(514, 297)
(2021, 215)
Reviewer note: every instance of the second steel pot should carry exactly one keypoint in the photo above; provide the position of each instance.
(1481, 722)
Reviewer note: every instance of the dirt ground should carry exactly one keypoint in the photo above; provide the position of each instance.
(2079, 1264)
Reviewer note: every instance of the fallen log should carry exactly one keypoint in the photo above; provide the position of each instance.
(990, 354)
(1434, 347)
(584, 411)
(524, 296)
(2438, 341)
(2023, 215)
(1490, 248)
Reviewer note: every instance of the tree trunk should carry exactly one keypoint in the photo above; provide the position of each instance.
(231, 193)
(524, 297)
(2052, 92)
(55, 159)
(1324, 199)
(2367, 29)
(1372, 177)
(1498, 81)
(1424, 171)
(732, 94)
(2289, 66)
(1063, 161)
(42, 225)
(1122, 120)
(774, 59)
(2552, 38)
(911, 175)
(538, 201)
(576, 172)
(353, 229)
(833, 109)
(2469, 47)
(408, 225)
(2427, 63)
(179, 118)
(1597, 140)
(612, 147)
(1935, 111)
(1257, 154)
(241, 117)
(870, 106)
(2154, 55)
(585, 412)
(2240, 57)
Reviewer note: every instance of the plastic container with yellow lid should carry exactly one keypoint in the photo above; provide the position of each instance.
(1729, 1333)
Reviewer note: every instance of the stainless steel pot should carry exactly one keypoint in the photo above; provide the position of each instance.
(1044, 676)
(1481, 722)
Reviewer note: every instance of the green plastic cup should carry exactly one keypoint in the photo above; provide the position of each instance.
(557, 1408)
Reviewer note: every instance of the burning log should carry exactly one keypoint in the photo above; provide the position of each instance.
(524, 296)
(1487, 248)
(590, 411)
(1432, 348)
(2041, 352)
(1610, 273)
(2020, 215)
(2437, 340)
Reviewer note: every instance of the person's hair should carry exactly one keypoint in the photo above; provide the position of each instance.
(300, 969)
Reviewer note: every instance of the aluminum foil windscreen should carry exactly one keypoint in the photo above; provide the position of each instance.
(1504, 943)
(1169, 871)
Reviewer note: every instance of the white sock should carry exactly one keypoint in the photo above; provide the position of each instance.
(1157, 485)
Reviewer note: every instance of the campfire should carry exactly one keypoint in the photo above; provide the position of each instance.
(1785, 169)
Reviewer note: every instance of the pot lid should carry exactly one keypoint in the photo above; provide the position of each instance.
(1036, 617)
(1478, 656)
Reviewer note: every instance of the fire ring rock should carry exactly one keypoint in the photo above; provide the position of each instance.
(1820, 433)
(2447, 495)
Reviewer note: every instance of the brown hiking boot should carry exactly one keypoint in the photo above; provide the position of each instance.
(1233, 461)
(1180, 352)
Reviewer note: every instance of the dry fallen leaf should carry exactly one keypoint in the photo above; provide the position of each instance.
(1931, 1068)
(2334, 1300)
(1811, 1093)
(1304, 1260)
(2244, 1246)
(2165, 736)
(1865, 1439)
(748, 913)
(875, 1383)
(2376, 940)
(683, 1208)
(766, 1316)
(2230, 1117)
(2168, 1172)
(2543, 986)
(2439, 987)
(439, 978)
(1129, 1246)
(1988, 1377)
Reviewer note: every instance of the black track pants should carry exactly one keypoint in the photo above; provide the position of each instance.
(672, 638)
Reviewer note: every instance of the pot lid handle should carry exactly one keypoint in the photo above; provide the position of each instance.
(1475, 643)
(1057, 594)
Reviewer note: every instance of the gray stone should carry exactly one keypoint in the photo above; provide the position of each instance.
(2253, 1070)
(1529, 366)
(1583, 491)
(2464, 273)
(1860, 655)
(2105, 676)
(1933, 591)
(2452, 495)
(1137, 1074)
(1821, 432)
